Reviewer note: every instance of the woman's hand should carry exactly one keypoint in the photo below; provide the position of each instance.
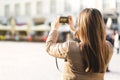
(55, 24)
(71, 24)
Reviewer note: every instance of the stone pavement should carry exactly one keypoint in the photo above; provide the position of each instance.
(29, 61)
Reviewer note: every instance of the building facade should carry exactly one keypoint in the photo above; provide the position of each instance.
(36, 12)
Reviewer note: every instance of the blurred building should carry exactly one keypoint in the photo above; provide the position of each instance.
(34, 16)
(46, 8)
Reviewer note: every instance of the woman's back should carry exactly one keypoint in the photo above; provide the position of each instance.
(74, 68)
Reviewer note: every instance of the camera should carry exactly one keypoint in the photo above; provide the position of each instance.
(63, 19)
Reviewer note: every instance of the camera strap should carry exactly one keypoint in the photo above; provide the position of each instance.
(57, 64)
(56, 61)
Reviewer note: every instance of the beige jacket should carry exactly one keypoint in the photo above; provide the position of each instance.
(73, 67)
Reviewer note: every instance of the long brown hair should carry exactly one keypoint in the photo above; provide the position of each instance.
(91, 32)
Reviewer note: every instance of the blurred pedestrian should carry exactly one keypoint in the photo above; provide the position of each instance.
(117, 42)
(109, 38)
(88, 59)
(109, 35)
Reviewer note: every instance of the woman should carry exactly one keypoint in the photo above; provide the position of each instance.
(88, 59)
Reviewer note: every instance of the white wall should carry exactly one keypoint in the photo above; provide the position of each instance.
(1, 9)
(60, 6)
(75, 5)
(46, 6)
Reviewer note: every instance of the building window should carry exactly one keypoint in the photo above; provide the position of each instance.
(67, 6)
(118, 4)
(39, 7)
(7, 10)
(106, 4)
(28, 9)
(17, 9)
(53, 6)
